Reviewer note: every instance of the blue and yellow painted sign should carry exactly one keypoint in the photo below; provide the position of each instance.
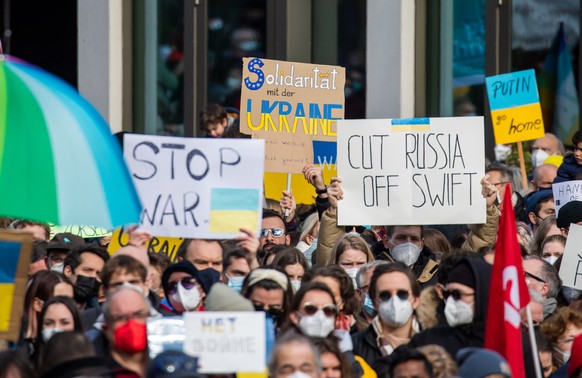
(515, 107)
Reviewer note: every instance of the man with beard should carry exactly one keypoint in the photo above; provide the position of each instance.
(83, 267)
(273, 231)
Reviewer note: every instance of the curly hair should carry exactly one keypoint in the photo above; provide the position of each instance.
(555, 326)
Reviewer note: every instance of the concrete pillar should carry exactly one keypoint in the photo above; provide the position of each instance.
(390, 59)
(104, 59)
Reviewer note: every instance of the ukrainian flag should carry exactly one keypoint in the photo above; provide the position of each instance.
(233, 208)
(9, 256)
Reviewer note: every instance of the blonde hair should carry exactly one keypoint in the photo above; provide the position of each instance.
(349, 241)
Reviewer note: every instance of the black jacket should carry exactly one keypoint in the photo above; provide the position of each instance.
(365, 345)
(466, 335)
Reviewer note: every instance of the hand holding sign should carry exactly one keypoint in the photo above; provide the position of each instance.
(288, 205)
(314, 175)
(250, 244)
(335, 191)
(489, 191)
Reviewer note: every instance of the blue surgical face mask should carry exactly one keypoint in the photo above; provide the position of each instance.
(235, 283)
(369, 306)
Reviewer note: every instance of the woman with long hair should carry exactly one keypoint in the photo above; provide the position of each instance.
(41, 287)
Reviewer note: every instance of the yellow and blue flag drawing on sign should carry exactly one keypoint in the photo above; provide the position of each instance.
(233, 208)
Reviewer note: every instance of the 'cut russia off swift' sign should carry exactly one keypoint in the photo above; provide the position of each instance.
(411, 171)
(515, 107)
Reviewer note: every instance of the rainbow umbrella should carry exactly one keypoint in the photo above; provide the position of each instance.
(59, 162)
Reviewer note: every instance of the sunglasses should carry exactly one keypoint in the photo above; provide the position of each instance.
(276, 232)
(328, 310)
(386, 295)
(529, 275)
(457, 294)
(187, 283)
(273, 311)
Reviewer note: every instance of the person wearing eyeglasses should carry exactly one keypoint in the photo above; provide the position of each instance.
(185, 287)
(395, 293)
(269, 289)
(466, 294)
(126, 311)
(542, 277)
(314, 313)
(273, 231)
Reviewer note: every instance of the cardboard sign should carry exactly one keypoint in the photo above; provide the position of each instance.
(15, 251)
(324, 155)
(565, 192)
(197, 188)
(571, 267)
(82, 231)
(515, 107)
(158, 244)
(411, 171)
(289, 101)
(226, 342)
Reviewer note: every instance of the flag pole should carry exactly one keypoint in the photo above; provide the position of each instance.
(532, 341)
(522, 165)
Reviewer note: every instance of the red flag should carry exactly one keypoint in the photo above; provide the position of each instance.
(508, 293)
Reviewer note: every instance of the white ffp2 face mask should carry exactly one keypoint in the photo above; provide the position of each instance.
(406, 253)
(538, 157)
(316, 325)
(47, 333)
(395, 312)
(352, 273)
(190, 299)
(551, 259)
(458, 312)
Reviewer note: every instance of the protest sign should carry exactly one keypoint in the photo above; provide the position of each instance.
(515, 107)
(15, 250)
(565, 192)
(226, 342)
(571, 267)
(158, 244)
(197, 188)
(289, 101)
(324, 155)
(80, 230)
(411, 171)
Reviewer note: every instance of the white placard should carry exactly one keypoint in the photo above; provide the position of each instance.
(571, 266)
(565, 192)
(411, 171)
(197, 188)
(226, 342)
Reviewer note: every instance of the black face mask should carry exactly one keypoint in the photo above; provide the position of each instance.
(85, 288)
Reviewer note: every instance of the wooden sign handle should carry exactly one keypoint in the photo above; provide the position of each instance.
(522, 165)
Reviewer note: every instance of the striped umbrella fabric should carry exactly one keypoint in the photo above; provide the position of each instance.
(59, 162)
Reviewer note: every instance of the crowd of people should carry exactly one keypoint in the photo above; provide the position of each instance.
(346, 302)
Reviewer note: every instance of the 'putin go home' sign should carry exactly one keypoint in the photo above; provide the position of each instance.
(515, 107)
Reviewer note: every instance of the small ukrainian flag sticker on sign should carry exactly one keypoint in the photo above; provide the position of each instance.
(233, 208)
(410, 124)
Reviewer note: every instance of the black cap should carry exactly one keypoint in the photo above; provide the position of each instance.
(65, 241)
(569, 213)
